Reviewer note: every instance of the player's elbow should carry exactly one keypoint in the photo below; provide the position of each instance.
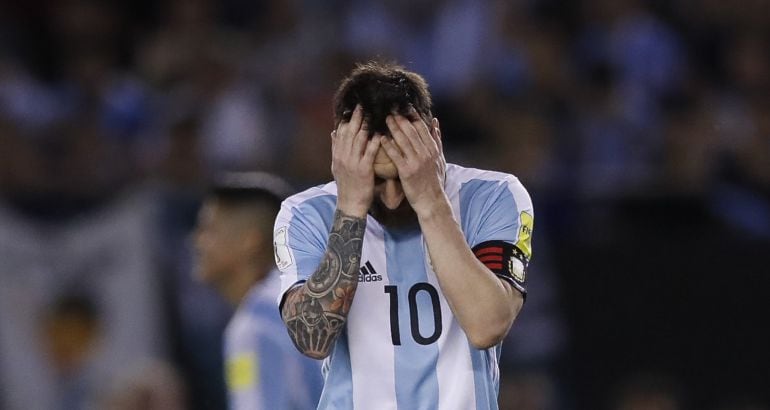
(313, 353)
(495, 327)
(488, 337)
(317, 355)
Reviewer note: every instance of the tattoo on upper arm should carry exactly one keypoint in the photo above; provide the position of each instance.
(316, 312)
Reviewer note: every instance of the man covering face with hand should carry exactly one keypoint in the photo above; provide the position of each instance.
(405, 273)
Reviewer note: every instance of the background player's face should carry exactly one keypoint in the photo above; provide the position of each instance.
(218, 242)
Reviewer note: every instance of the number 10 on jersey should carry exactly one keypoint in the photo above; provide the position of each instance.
(414, 313)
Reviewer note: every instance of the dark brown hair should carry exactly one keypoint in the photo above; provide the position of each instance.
(250, 189)
(381, 87)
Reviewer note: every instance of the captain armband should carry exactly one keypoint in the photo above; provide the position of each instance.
(506, 261)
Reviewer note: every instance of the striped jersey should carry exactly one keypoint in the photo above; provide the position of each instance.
(263, 369)
(402, 348)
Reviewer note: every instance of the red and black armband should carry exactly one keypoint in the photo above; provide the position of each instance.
(506, 261)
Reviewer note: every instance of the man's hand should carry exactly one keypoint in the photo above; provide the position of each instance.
(353, 164)
(418, 155)
(484, 306)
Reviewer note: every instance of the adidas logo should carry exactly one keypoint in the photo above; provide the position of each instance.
(368, 274)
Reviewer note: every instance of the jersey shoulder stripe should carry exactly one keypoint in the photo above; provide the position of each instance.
(490, 205)
(301, 232)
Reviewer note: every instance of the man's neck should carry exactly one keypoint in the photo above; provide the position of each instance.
(235, 289)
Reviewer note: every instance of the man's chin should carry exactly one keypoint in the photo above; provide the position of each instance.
(401, 215)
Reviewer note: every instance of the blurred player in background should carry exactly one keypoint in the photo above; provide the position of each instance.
(405, 273)
(263, 370)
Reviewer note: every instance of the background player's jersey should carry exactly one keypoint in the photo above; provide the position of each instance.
(402, 347)
(263, 368)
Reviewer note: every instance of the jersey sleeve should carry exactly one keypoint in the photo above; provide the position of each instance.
(256, 373)
(300, 237)
(287, 379)
(498, 221)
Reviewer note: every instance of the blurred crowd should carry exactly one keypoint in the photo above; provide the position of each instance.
(114, 115)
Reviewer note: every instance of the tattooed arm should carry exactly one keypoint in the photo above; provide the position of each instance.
(316, 312)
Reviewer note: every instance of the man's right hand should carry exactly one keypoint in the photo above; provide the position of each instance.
(353, 164)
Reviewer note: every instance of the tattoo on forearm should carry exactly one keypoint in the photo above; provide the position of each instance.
(316, 312)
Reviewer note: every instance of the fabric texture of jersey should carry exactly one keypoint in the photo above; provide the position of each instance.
(263, 369)
(402, 348)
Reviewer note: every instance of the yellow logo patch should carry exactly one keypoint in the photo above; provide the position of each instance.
(242, 371)
(524, 241)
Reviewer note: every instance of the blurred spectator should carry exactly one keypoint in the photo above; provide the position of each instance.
(71, 330)
(647, 391)
(197, 315)
(148, 386)
(104, 255)
(532, 391)
(196, 64)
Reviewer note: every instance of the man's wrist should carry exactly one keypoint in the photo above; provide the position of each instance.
(352, 209)
(436, 209)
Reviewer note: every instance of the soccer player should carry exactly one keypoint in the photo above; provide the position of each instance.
(263, 370)
(405, 273)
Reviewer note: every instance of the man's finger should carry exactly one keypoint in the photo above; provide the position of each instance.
(412, 134)
(426, 138)
(346, 132)
(436, 134)
(400, 138)
(393, 152)
(370, 152)
(355, 120)
(361, 138)
(422, 129)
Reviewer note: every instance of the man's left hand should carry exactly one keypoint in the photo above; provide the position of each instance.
(418, 155)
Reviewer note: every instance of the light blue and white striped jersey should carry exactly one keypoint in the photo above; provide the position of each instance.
(402, 348)
(263, 369)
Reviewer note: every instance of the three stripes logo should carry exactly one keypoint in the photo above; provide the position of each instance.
(368, 274)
